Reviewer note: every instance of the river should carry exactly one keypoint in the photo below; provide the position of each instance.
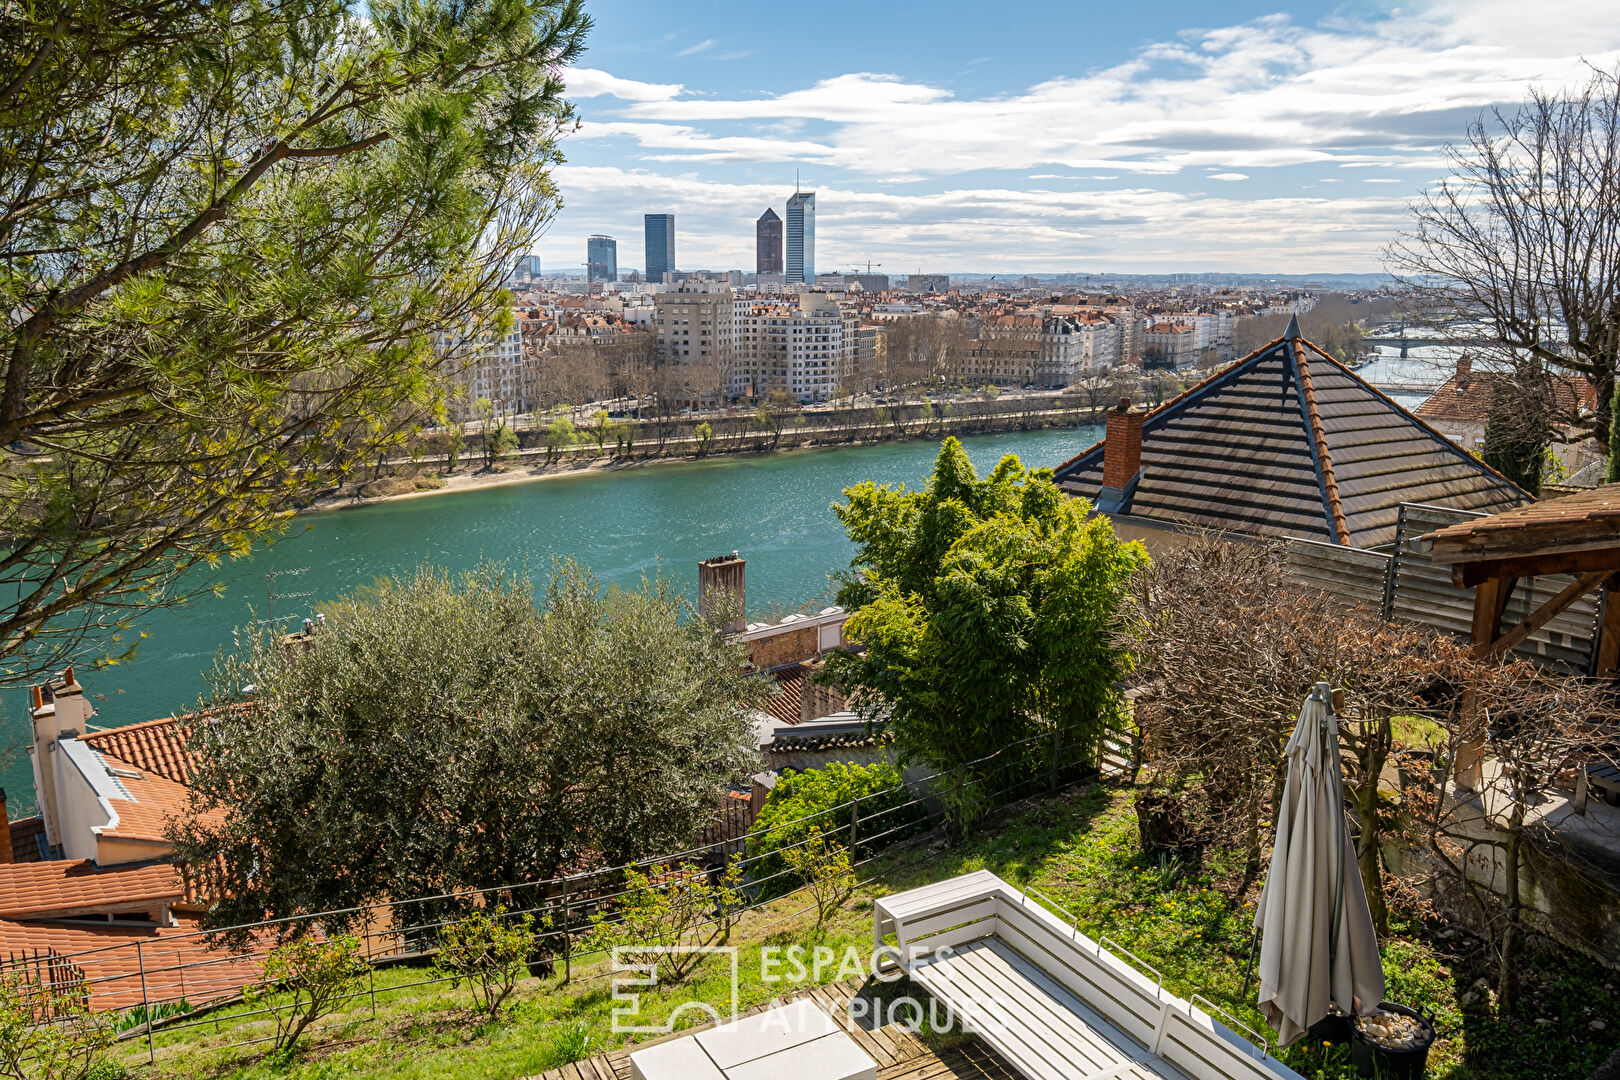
(772, 509)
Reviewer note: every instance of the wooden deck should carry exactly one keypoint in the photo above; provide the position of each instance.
(899, 1054)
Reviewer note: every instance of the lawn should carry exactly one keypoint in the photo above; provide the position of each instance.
(1077, 847)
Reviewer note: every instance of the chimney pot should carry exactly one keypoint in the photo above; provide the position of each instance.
(1465, 367)
(723, 579)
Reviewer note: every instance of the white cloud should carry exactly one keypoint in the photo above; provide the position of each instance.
(702, 46)
(589, 82)
(969, 228)
(892, 155)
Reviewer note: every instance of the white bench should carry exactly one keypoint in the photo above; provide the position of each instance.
(1053, 1002)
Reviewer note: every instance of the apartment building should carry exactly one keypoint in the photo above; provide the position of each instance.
(797, 348)
(485, 364)
(696, 335)
(1172, 344)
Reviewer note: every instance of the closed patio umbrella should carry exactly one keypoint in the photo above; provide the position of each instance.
(1317, 945)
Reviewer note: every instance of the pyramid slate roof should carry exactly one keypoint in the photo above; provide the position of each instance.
(1290, 442)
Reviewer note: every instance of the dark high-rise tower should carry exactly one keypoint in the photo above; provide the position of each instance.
(601, 259)
(768, 243)
(660, 246)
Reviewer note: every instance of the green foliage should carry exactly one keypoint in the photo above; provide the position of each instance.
(310, 977)
(47, 1031)
(490, 952)
(824, 867)
(819, 799)
(1611, 471)
(600, 427)
(137, 1016)
(1513, 448)
(442, 734)
(704, 434)
(231, 232)
(673, 905)
(504, 443)
(988, 609)
(560, 435)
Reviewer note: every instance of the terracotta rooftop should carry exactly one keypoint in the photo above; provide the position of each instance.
(787, 705)
(108, 958)
(157, 746)
(61, 889)
(1468, 396)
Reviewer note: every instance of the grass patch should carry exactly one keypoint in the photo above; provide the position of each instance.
(1078, 847)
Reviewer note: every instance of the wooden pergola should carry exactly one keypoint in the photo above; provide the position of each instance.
(1578, 535)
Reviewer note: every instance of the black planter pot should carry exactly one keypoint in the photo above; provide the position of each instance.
(1332, 1028)
(1370, 1059)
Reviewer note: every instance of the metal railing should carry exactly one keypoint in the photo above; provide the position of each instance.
(178, 980)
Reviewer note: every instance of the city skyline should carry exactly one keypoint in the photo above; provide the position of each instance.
(1270, 138)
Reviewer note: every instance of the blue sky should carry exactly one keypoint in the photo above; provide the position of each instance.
(1044, 137)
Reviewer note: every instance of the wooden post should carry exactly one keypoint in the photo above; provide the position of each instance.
(1490, 599)
(1608, 645)
(854, 816)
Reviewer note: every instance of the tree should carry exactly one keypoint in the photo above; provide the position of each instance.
(316, 974)
(704, 434)
(987, 610)
(229, 232)
(601, 425)
(1520, 244)
(441, 734)
(658, 911)
(47, 1031)
(824, 867)
(560, 435)
(490, 952)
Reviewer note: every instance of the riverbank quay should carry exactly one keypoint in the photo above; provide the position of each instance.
(728, 434)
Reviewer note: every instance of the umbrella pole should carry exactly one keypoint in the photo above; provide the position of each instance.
(1248, 969)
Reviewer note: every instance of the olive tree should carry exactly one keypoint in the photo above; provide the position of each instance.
(441, 734)
(228, 235)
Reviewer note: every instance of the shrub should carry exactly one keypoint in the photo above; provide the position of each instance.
(490, 953)
(70, 1047)
(674, 905)
(316, 975)
(806, 800)
(825, 869)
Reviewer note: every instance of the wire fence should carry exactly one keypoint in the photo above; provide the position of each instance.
(177, 979)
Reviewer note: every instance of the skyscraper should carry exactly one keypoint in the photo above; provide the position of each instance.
(601, 259)
(801, 237)
(660, 246)
(768, 243)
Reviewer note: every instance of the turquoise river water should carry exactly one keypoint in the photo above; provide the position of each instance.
(774, 510)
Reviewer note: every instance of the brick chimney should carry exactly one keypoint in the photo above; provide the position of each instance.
(1122, 446)
(721, 581)
(1465, 368)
